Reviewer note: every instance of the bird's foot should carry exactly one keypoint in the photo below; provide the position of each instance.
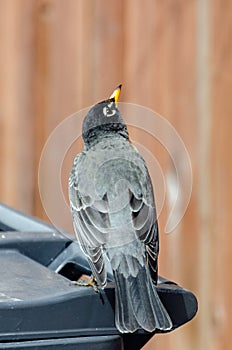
(89, 282)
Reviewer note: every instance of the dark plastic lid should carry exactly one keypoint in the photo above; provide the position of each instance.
(39, 306)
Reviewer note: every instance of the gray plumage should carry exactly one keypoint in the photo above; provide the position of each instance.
(113, 210)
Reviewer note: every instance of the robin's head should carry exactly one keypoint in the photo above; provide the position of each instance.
(104, 118)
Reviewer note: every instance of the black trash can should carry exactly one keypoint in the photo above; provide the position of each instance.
(41, 309)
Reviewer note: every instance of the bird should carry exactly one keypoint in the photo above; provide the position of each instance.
(114, 217)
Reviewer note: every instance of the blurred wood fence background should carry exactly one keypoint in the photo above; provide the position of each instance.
(173, 56)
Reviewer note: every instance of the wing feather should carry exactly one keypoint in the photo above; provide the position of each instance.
(89, 223)
(145, 223)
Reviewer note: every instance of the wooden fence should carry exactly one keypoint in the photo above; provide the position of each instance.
(173, 56)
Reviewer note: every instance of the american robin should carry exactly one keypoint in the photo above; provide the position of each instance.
(114, 214)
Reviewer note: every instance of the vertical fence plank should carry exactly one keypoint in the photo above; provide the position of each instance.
(221, 173)
(56, 82)
(205, 332)
(107, 48)
(16, 157)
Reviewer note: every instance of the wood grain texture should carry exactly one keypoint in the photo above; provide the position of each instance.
(221, 173)
(174, 57)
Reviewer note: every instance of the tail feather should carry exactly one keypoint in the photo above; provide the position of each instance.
(124, 317)
(138, 304)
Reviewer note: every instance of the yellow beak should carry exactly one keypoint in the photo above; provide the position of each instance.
(116, 93)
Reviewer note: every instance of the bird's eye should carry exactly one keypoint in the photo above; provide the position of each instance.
(108, 111)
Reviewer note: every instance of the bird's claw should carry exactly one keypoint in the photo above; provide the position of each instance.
(89, 283)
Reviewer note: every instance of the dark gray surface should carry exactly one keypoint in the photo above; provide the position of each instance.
(84, 343)
(26, 280)
(14, 220)
(37, 302)
(40, 308)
